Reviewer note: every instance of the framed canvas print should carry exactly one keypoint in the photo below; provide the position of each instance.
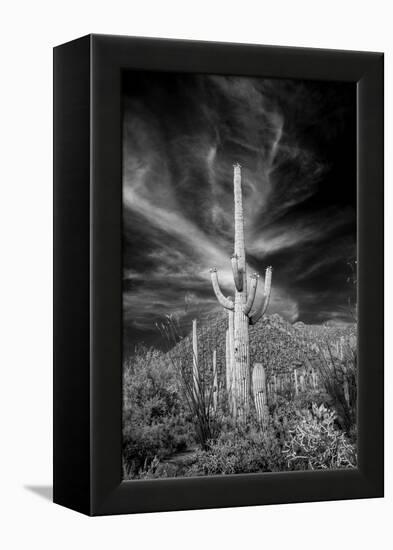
(218, 275)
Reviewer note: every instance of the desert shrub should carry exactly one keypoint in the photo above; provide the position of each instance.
(335, 371)
(295, 439)
(142, 443)
(156, 470)
(315, 443)
(241, 451)
(155, 423)
(302, 401)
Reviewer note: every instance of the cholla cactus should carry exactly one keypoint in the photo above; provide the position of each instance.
(314, 443)
(241, 311)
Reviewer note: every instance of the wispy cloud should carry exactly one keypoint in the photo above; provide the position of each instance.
(180, 141)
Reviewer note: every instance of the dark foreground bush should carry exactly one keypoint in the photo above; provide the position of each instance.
(240, 452)
(338, 372)
(306, 439)
(154, 421)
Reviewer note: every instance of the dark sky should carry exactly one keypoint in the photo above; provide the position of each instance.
(296, 142)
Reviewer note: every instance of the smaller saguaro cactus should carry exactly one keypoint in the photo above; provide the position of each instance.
(314, 381)
(341, 344)
(260, 394)
(302, 381)
(275, 387)
(296, 384)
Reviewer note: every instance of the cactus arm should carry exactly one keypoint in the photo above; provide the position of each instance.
(251, 294)
(225, 302)
(256, 315)
(237, 273)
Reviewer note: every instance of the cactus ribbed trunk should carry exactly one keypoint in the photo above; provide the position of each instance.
(230, 371)
(241, 362)
(241, 339)
(302, 382)
(260, 394)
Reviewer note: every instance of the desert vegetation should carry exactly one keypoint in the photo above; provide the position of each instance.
(240, 391)
(172, 428)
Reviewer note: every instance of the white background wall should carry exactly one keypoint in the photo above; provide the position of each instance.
(29, 30)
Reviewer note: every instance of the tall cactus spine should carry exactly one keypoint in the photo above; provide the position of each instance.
(241, 310)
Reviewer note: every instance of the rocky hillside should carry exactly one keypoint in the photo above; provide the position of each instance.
(279, 345)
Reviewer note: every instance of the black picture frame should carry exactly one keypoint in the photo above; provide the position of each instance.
(87, 274)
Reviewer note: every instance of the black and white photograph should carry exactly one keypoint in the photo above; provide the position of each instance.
(195, 315)
(239, 290)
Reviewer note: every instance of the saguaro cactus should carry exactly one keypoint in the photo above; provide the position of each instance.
(296, 382)
(314, 381)
(260, 394)
(241, 309)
